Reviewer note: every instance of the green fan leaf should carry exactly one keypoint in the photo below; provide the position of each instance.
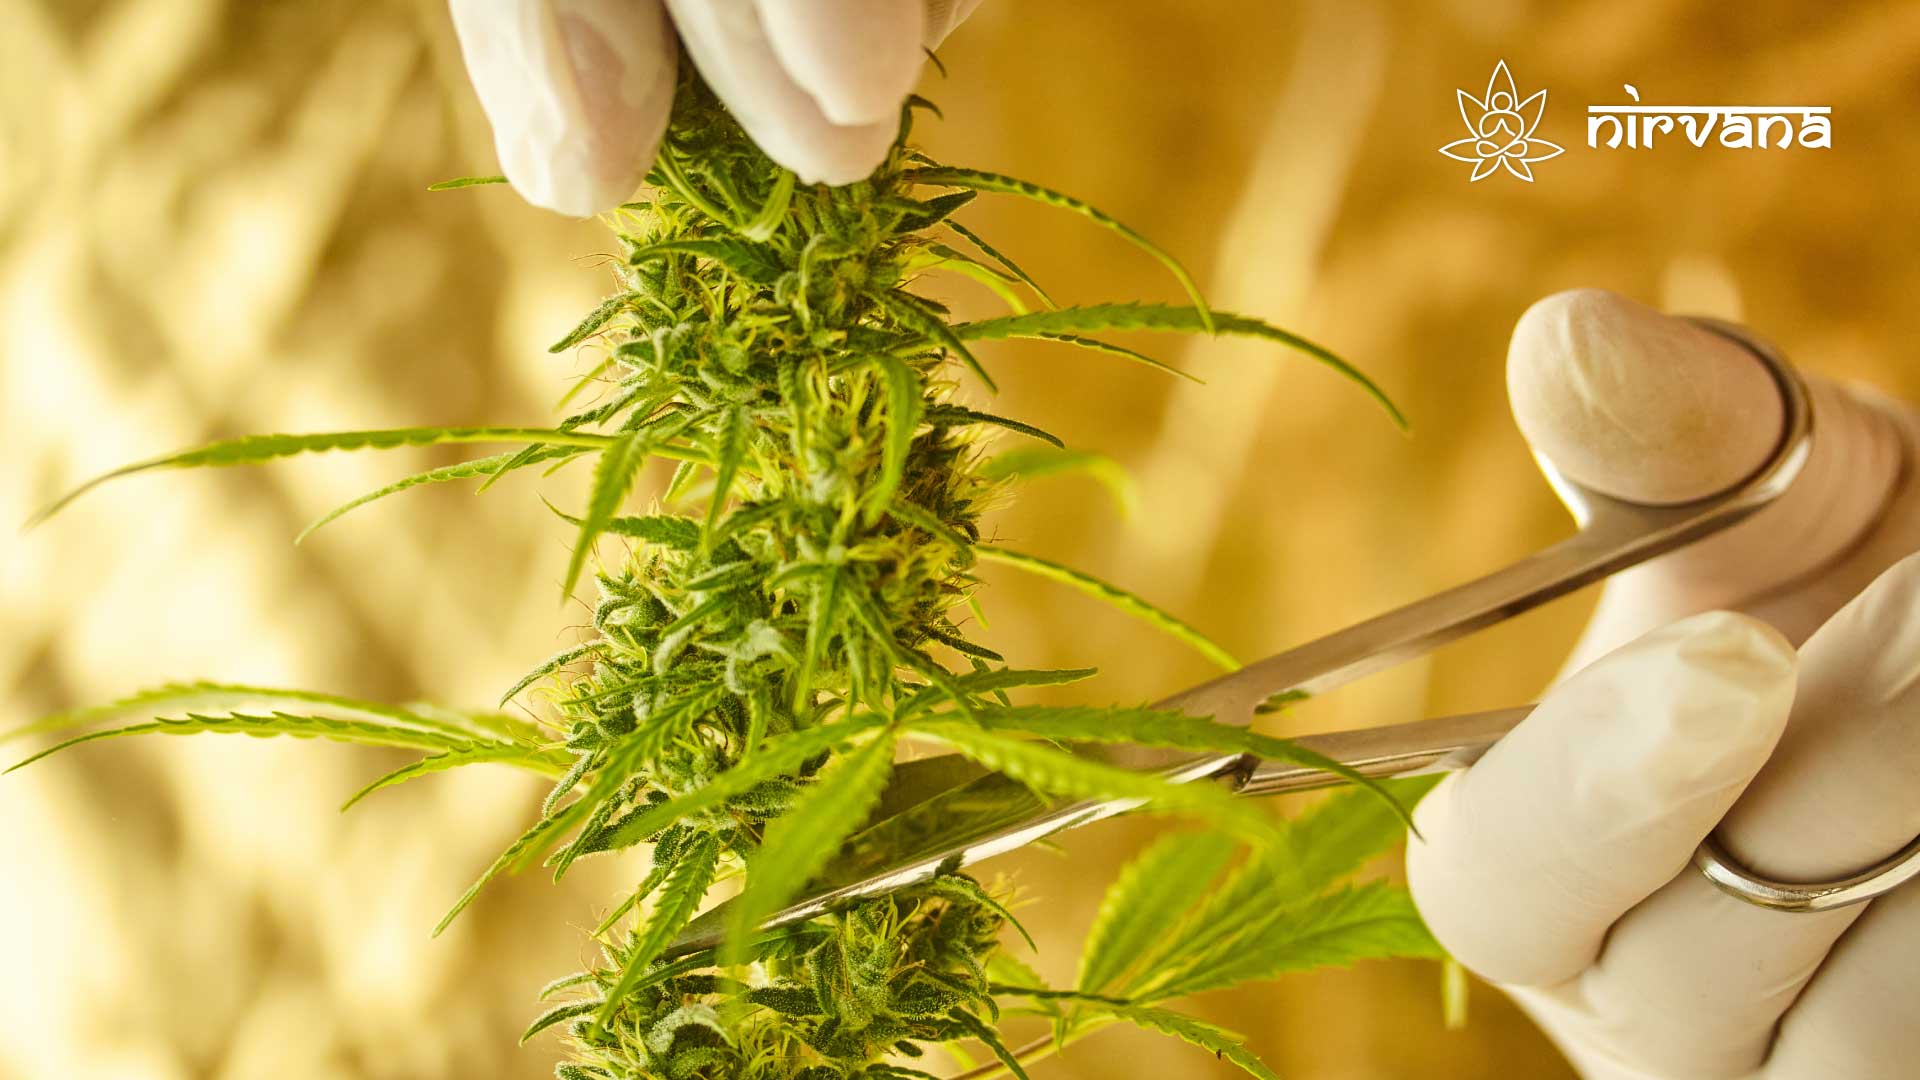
(923, 519)
(801, 841)
(976, 180)
(911, 312)
(1005, 263)
(823, 615)
(544, 764)
(997, 281)
(229, 697)
(466, 181)
(779, 755)
(612, 478)
(1057, 772)
(361, 732)
(552, 664)
(957, 415)
(926, 213)
(1152, 896)
(491, 466)
(599, 317)
(529, 846)
(978, 1028)
(1173, 730)
(1110, 349)
(1374, 921)
(1165, 317)
(755, 262)
(993, 680)
(1032, 463)
(730, 449)
(667, 530)
(253, 449)
(680, 897)
(903, 420)
(556, 1014)
(1218, 1041)
(764, 223)
(1116, 596)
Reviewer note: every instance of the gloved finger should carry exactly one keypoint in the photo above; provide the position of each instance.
(1857, 1018)
(729, 43)
(943, 17)
(577, 91)
(1654, 409)
(1701, 978)
(1599, 797)
(858, 59)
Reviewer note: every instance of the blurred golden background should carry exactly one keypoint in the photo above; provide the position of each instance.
(213, 222)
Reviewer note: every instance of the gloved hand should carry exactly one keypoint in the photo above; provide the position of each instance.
(1558, 867)
(578, 91)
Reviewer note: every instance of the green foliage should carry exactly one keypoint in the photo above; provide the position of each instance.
(690, 872)
(1185, 320)
(1178, 921)
(801, 841)
(768, 637)
(1118, 597)
(1150, 897)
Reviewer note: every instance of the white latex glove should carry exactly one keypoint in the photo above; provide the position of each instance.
(1558, 866)
(578, 91)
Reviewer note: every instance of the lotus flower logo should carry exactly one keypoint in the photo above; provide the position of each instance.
(1500, 129)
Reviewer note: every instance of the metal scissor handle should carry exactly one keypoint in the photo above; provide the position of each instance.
(992, 815)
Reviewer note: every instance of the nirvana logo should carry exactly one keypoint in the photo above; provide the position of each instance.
(1501, 127)
(1740, 127)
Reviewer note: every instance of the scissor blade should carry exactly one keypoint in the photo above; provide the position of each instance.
(942, 829)
(951, 827)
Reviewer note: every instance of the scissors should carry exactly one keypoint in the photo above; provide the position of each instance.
(943, 813)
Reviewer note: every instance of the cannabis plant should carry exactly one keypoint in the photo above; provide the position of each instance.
(786, 617)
